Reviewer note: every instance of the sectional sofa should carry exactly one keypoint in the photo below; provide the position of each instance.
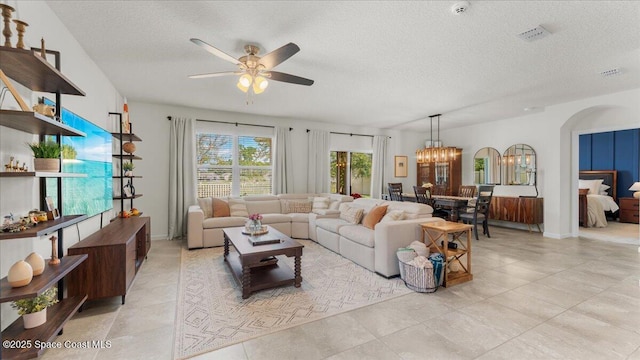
(323, 221)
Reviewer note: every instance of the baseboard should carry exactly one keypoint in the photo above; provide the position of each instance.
(159, 237)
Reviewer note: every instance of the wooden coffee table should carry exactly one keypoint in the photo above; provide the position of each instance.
(247, 264)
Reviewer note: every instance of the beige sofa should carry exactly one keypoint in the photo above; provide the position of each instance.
(207, 231)
(375, 249)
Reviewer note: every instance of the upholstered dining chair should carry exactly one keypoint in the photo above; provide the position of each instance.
(480, 211)
(468, 191)
(395, 191)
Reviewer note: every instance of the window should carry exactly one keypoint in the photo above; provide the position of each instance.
(351, 173)
(233, 165)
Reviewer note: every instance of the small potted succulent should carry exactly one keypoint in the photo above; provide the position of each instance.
(47, 156)
(128, 167)
(34, 310)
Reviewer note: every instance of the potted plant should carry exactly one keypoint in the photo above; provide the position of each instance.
(34, 310)
(128, 167)
(47, 156)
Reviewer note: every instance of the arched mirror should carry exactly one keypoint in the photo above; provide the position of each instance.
(486, 166)
(519, 165)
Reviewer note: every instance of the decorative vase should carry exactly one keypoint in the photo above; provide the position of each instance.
(253, 226)
(35, 319)
(129, 147)
(37, 263)
(46, 165)
(128, 173)
(20, 274)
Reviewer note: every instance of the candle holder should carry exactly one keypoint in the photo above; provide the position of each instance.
(20, 28)
(54, 251)
(6, 15)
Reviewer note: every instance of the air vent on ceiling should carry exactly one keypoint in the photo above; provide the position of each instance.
(611, 72)
(536, 33)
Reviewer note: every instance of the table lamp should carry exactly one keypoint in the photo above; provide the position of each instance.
(636, 187)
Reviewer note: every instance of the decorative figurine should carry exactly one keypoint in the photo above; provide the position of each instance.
(43, 52)
(6, 15)
(54, 251)
(20, 28)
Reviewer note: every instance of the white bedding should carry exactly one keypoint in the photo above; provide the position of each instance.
(596, 206)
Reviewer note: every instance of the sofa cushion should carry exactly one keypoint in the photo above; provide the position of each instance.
(358, 234)
(299, 217)
(276, 218)
(320, 203)
(393, 215)
(238, 207)
(206, 205)
(220, 208)
(352, 215)
(374, 216)
(295, 206)
(223, 222)
(331, 224)
(266, 206)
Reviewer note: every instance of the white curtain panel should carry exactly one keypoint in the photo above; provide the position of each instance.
(318, 172)
(182, 173)
(380, 144)
(283, 177)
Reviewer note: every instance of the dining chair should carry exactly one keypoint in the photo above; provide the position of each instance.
(468, 191)
(439, 190)
(395, 191)
(423, 195)
(480, 211)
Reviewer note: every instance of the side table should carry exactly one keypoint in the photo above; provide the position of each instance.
(437, 232)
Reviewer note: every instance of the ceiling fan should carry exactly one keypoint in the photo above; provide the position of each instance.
(254, 70)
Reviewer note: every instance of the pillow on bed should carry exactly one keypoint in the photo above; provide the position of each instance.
(603, 189)
(592, 185)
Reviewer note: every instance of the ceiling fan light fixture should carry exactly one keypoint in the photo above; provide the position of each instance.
(260, 83)
(245, 80)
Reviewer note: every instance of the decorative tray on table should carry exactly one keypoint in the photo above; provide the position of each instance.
(262, 231)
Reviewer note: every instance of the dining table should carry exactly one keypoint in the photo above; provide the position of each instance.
(455, 204)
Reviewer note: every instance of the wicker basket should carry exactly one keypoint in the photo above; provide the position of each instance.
(417, 279)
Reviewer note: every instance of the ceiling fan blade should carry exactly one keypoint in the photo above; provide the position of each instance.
(279, 55)
(288, 78)
(202, 76)
(219, 53)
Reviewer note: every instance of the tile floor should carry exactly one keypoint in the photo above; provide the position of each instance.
(531, 298)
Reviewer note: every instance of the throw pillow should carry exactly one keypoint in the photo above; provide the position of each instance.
(205, 205)
(393, 215)
(320, 203)
(374, 216)
(352, 215)
(238, 208)
(220, 208)
(296, 206)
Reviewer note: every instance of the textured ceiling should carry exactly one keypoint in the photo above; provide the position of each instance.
(382, 64)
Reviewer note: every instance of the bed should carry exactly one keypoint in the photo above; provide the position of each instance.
(597, 194)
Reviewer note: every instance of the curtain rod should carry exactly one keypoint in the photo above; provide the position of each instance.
(234, 123)
(350, 134)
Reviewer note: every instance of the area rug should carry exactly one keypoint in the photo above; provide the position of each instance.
(211, 313)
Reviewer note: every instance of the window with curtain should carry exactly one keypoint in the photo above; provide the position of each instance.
(351, 173)
(234, 165)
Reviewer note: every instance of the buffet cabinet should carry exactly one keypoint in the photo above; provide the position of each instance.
(523, 210)
(115, 254)
(446, 173)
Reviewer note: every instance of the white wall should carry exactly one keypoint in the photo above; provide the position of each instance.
(550, 134)
(150, 122)
(19, 195)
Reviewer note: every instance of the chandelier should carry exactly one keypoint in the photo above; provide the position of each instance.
(433, 150)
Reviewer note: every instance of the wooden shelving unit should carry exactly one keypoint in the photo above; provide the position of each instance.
(127, 197)
(39, 174)
(121, 156)
(45, 227)
(34, 123)
(127, 156)
(126, 136)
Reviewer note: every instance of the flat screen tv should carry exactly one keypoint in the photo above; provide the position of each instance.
(90, 155)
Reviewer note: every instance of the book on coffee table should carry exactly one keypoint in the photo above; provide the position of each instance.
(263, 239)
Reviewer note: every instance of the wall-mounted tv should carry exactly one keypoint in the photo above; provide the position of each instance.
(89, 155)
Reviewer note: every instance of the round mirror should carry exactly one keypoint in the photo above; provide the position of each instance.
(486, 166)
(519, 165)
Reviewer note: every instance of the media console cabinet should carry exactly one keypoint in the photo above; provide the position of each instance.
(115, 252)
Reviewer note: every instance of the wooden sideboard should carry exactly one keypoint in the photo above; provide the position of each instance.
(116, 252)
(524, 210)
(629, 212)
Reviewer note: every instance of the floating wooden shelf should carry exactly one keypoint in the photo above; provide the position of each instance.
(126, 137)
(44, 228)
(34, 72)
(41, 174)
(34, 123)
(125, 198)
(128, 157)
(42, 282)
(128, 177)
(57, 317)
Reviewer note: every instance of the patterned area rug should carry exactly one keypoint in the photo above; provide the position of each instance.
(211, 313)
